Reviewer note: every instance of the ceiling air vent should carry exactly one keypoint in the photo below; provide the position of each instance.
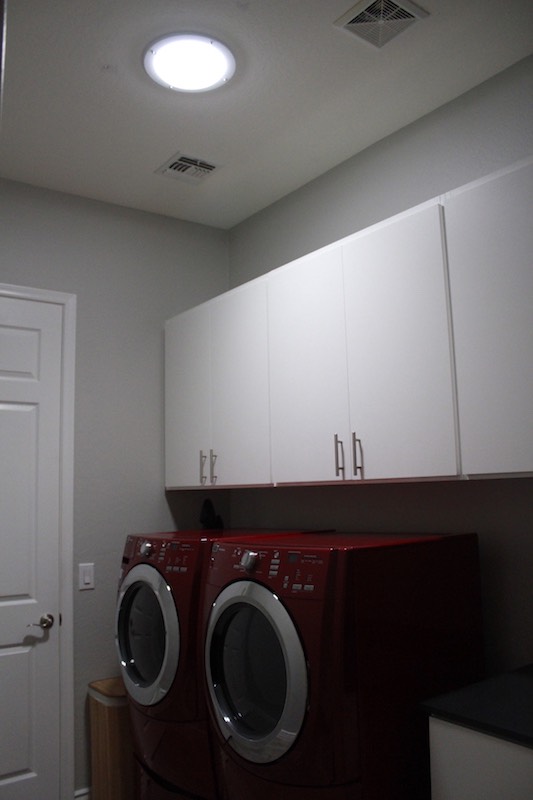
(380, 21)
(185, 168)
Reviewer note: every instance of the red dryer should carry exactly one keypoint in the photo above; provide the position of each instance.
(319, 650)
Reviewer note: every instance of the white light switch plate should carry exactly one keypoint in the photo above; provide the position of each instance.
(86, 576)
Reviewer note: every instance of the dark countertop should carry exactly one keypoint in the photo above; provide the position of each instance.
(501, 706)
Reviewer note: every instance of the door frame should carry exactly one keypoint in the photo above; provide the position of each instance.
(66, 518)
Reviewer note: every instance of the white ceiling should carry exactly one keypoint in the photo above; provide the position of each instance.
(81, 116)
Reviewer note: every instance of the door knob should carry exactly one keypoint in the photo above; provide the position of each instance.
(45, 622)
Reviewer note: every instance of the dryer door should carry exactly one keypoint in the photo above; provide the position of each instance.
(256, 671)
(147, 634)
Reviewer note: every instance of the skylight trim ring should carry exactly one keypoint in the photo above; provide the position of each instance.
(165, 62)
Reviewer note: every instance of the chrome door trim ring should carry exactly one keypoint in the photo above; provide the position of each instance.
(271, 747)
(156, 691)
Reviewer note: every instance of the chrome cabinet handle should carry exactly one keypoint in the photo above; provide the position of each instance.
(339, 446)
(203, 459)
(212, 461)
(356, 467)
(46, 621)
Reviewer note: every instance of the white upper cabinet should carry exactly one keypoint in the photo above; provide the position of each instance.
(308, 377)
(187, 397)
(399, 362)
(402, 352)
(216, 395)
(489, 230)
(239, 399)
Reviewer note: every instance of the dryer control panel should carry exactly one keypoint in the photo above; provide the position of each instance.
(285, 570)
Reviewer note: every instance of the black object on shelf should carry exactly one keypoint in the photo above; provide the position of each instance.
(209, 519)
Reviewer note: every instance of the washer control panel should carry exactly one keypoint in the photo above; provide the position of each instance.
(286, 570)
(171, 556)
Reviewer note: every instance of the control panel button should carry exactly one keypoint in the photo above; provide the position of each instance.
(146, 549)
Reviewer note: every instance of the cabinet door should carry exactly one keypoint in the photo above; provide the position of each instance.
(187, 398)
(308, 378)
(490, 249)
(399, 364)
(239, 396)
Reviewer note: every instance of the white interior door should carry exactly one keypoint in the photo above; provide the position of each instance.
(32, 417)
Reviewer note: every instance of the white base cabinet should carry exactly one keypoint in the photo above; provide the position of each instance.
(467, 764)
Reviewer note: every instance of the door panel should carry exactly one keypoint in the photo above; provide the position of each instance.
(240, 397)
(15, 668)
(400, 372)
(308, 373)
(490, 245)
(187, 398)
(18, 434)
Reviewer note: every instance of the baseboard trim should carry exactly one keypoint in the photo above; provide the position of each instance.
(82, 794)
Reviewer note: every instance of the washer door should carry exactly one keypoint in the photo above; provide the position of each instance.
(147, 634)
(256, 671)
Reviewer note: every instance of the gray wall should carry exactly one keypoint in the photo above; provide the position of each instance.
(499, 510)
(482, 131)
(130, 272)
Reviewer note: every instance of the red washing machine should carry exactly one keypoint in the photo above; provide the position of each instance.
(157, 633)
(319, 650)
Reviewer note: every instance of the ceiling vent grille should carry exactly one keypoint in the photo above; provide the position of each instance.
(186, 168)
(380, 21)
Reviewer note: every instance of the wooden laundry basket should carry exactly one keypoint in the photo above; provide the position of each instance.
(112, 762)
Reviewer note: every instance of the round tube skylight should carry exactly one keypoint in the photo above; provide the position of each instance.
(189, 62)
